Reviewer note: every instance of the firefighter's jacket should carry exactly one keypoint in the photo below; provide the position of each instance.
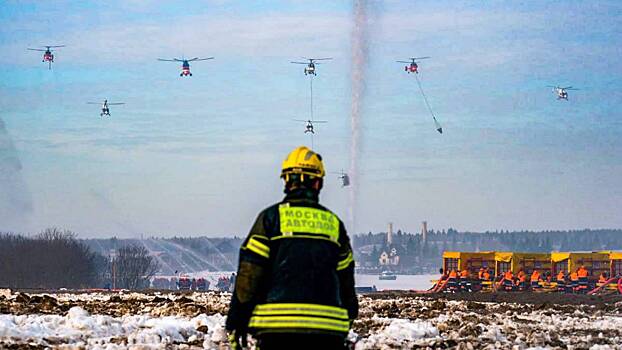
(296, 271)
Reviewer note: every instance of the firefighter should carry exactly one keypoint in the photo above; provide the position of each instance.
(508, 280)
(464, 281)
(561, 281)
(452, 283)
(521, 280)
(295, 280)
(574, 281)
(582, 274)
(602, 279)
(480, 274)
(486, 275)
(535, 279)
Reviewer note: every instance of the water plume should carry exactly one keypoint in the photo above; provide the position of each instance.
(359, 47)
(15, 199)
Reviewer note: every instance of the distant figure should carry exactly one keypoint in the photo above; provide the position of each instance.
(561, 281)
(574, 282)
(486, 274)
(508, 280)
(582, 274)
(464, 281)
(602, 279)
(232, 278)
(452, 283)
(535, 279)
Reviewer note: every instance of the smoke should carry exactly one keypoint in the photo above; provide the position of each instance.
(15, 199)
(359, 42)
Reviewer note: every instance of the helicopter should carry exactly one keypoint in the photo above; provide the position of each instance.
(48, 56)
(105, 108)
(345, 179)
(185, 64)
(309, 126)
(561, 92)
(310, 68)
(412, 67)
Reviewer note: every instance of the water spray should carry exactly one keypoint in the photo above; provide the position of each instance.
(15, 199)
(359, 64)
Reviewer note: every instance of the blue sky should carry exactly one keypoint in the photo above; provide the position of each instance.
(201, 155)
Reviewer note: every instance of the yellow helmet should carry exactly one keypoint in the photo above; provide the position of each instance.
(302, 160)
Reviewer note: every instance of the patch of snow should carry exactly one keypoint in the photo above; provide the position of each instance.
(398, 333)
(91, 331)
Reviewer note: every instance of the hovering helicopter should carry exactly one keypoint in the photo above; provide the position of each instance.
(105, 108)
(48, 56)
(310, 68)
(561, 92)
(412, 67)
(185, 64)
(345, 179)
(309, 126)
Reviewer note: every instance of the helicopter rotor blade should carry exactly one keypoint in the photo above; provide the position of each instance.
(403, 61)
(317, 59)
(116, 103)
(94, 103)
(567, 88)
(299, 62)
(319, 121)
(201, 59)
(167, 60)
(54, 46)
(420, 58)
(42, 50)
(300, 120)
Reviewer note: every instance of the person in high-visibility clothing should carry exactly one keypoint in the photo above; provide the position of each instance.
(583, 274)
(464, 280)
(452, 281)
(535, 279)
(508, 280)
(486, 275)
(561, 281)
(602, 278)
(295, 280)
(574, 281)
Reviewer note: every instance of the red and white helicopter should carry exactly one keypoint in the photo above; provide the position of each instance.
(310, 68)
(185, 64)
(412, 64)
(561, 92)
(48, 56)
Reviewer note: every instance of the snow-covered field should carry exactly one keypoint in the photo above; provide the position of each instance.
(387, 321)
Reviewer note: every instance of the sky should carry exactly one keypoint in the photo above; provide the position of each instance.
(201, 155)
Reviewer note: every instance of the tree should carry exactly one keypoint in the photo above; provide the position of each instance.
(134, 267)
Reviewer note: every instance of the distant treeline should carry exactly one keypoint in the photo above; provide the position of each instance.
(417, 255)
(56, 259)
(51, 259)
